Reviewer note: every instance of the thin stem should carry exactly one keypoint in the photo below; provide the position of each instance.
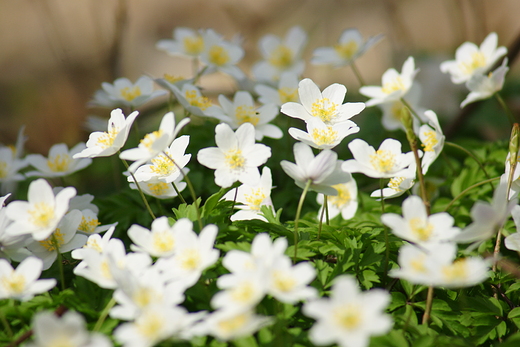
(6, 325)
(56, 246)
(408, 106)
(321, 215)
(326, 210)
(298, 211)
(190, 187)
(385, 229)
(357, 73)
(469, 153)
(505, 108)
(178, 193)
(461, 194)
(234, 200)
(104, 314)
(428, 309)
(381, 187)
(195, 67)
(139, 189)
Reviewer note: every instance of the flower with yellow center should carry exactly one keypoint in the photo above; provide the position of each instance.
(471, 60)
(326, 106)
(484, 86)
(237, 157)
(160, 240)
(349, 317)
(60, 161)
(345, 202)
(191, 98)
(186, 42)
(229, 324)
(290, 283)
(286, 90)
(22, 283)
(125, 93)
(432, 140)
(221, 55)
(397, 185)
(322, 136)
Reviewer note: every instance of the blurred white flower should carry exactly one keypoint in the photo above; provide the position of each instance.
(186, 42)
(482, 86)
(190, 97)
(22, 283)
(221, 55)
(286, 90)
(60, 162)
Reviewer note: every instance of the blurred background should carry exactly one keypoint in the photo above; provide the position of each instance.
(54, 54)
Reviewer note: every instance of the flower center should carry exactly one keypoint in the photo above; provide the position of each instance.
(288, 94)
(193, 45)
(59, 163)
(93, 243)
(346, 50)
(456, 271)
(159, 188)
(53, 242)
(150, 326)
(150, 138)
(395, 183)
(325, 110)
(234, 159)
(163, 241)
(283, 282)
(430, 140)
(88, 225)
(421, 228)
(393, 85)
(107, 138)
(244, 292)
(62, 341)
(3, 169)
(343, 197)
(348, 316)
(218, 56)
(15, 283)
(281, 57)
(417, 264)
(383, 160)
(41, 215)
(233, 324)
(172, 79)
(255, 198)
(477, 61)
(324, 136)
(162, 165)
(197, 100)
(144, 296)
(130, 93)
(246, 114)
(190, 259)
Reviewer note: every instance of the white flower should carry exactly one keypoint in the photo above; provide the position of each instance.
(221, 55)
(487, 218)
(237, 157)
(482, 86)
(417, 227)
(290, 283)
(162, 167)
(327, 105)
(159, 189)
(395, 85)
(512, 241)
(90, 223)
(349, 317)
(252, 197)
(323, 171)
(68, 330)
(471, 60)
(23, 283)
(345, 202)
(186, 42)
(125, 93)
(94, 242)
(350, 46)
(63, 239)
(432, 140)
(243, 290)
(40, 215)
(59, 163)
(280, 55)
(11, 246)
(10, 165)
(154, 143)
(193, 101)
(286, 91)
(322, 136)
(393, 110)
(387, 162)
(106, 143)
(243, 110)
(229, 324)
(398, 185)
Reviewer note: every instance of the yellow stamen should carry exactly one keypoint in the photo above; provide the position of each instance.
(348, 316)
(14, 283)
(324, 136)
(255, 198)
(288, 94)
(218, 56)
(456, 271)
(3, 169)
(421, 228)
(430, 140)
(243, 293)
(59, 163)
(53, 242)
(342, 199)
(246, 114)
(477, 61)
(281, 57)
(163, 241)
(325, 110)
(107, 138)
(393, 85)
(88, 225)
(190, 259)
(197, 100)
(151, 326)
(229, 326)
(193, 45)
(383, 160)
(162, 165)
(150, 138)
(172, 79)
(130, 94)
(159, 188)
(234, 159)
(395, 183)
(93, 243)
(346, 50)
(283, 282)
(41, 215)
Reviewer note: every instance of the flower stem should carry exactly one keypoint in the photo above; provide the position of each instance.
(178, 193)
(6, 324)
(505, 108)
(357, 73)
(140, 191)
(56, 245)
(190, 187)
(385, 229)
(461, 194)
(321, 216)
(428, 309)
(298, 212)
(104, 314)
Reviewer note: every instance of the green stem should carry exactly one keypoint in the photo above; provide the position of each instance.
(381, 187)
(385, 229)
(6, 325)
(428, 309)
(195, 68)
(178, 193)
(408, 106)
(298, 212)
(190, 187)
(461, 194)
(140, 190)
(505, 108)
(104, 314)
(234, 200)
(56, 246)
(357, 73)
(470, 154)
(321, 215)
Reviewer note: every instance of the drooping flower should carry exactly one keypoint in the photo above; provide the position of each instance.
(387, 162)
(193, 101)
(395, 85)
(158, 188)
(398, 185)
(394, 110)
(243, 110)
(280, 55)
(484, 86)
(59, 163)
(237, 157)
(327, 106)
(40, 215)
(322, 136)
(349, 317)
(350, 46)
(345, 202)
(125, 93)
(286, 90)
(186, 42)
(471, 60)
(107, 143)
(432, 140)
(324, 171)
(22, 283)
